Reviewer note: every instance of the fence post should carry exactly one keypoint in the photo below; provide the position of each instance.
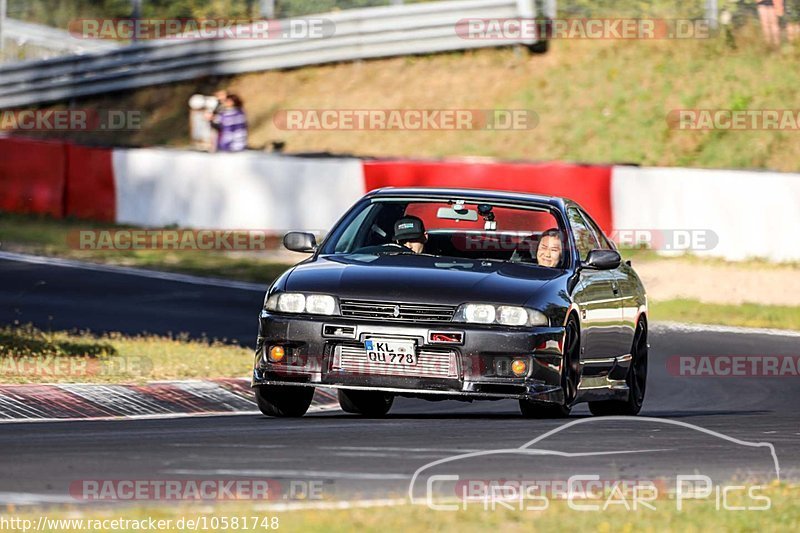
(3, 6)
(136, 15)
(712, 13)
(267, 9)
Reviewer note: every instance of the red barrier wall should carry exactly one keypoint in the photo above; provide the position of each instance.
(90, 184)
(32, 176)
(590, 186)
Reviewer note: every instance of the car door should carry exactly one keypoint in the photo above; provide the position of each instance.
(596, 295)
(624, 289)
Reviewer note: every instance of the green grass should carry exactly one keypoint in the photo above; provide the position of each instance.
(47, 236)
(31, 355)
(745, 315)
(698, 516)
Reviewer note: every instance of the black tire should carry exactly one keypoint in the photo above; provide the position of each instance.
(284, 401)
(374, 404)
(636, 380)
(570, 377)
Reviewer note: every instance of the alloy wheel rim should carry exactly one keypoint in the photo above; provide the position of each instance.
(569, 385)
(639, 365)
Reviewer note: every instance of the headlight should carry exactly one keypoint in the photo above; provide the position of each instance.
(506, 315)
(295, 302)
(290, 302)
(320, 304)
(512, 316)
(479, 313)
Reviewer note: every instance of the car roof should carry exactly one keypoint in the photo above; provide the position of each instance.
(468, 194)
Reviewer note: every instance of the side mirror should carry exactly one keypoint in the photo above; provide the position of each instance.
(299, 241)
(603, 260)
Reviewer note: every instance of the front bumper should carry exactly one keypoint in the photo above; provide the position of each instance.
(477, 365)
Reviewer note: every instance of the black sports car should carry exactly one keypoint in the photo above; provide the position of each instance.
(455, 294)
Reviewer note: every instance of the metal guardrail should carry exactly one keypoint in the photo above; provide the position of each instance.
(359, 34)
(45, 37)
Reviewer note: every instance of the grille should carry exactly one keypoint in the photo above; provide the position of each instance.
(430, 363)
(397, 311)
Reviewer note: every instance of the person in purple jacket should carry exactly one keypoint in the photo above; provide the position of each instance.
(231, 125)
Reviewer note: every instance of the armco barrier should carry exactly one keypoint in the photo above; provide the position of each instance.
(90, 184)
(32, 176)
(752, 214)
(367, 33)
(590, 186)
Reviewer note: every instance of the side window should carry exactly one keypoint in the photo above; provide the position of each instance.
(584, 238)
(598, 233)
(346, 242)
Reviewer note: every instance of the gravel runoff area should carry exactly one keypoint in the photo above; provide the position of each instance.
(723, 283)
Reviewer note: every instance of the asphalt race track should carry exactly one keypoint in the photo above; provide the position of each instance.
(350, 457)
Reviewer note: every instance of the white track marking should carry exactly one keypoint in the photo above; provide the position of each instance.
(127, 418)
(330, 506)
(398, 449)
(223, 445)
(326, 474)
(130, 271)
(389, 455)
(122, 418)
(710, 328)
(29, 498)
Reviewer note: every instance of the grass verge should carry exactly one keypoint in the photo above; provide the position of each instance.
(783, 515)
(744, 315)
(30, 355)
(51, 237)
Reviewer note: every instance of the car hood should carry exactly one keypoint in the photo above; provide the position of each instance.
(424, 279)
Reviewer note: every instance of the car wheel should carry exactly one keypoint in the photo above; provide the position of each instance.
(636, 380)
(570, 376)
(284, 400)
(367, 403)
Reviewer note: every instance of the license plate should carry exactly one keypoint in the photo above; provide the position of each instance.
(391, 352)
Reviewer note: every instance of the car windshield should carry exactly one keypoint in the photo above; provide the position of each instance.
(455, 228)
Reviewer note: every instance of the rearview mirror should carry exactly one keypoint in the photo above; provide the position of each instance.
(603, 260)
(449, 213)
(299, 241)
